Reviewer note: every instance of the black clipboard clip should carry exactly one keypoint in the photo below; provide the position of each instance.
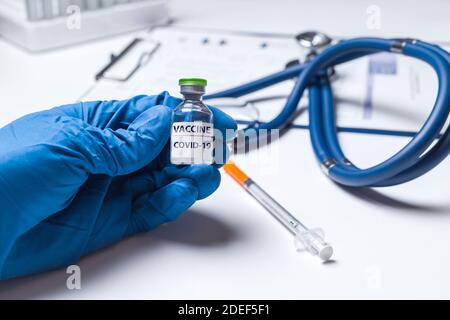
(144, 58)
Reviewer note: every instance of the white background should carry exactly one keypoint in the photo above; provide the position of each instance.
(390, 243)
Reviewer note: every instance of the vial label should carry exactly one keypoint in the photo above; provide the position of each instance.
(192, 143)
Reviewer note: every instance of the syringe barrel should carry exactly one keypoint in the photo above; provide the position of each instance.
(271, 205)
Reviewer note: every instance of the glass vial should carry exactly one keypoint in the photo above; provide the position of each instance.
(192, 137)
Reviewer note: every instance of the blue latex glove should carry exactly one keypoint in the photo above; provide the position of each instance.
(80, 177)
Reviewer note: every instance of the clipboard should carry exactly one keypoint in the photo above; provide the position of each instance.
(155, 60)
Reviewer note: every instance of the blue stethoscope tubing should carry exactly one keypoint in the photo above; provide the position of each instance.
(419, 156)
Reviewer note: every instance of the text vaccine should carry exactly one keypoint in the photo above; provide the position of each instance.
(192, 136)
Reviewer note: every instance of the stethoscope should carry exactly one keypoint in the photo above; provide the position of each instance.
(427, 148)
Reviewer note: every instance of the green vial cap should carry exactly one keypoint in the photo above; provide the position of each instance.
(192, 82)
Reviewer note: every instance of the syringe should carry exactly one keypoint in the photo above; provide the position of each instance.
(305, 239)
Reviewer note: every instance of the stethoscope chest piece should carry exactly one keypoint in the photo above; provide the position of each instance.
(312, 42)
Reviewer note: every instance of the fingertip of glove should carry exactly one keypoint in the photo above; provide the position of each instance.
(163, 98)
(156, 116)
(187, 188)
(178, 197)
(162, 109)
(224, 123)
(207, 178)
(169, 100)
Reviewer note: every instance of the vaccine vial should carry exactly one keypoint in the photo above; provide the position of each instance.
(192, 136)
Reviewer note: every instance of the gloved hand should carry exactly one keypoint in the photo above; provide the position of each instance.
(80, 177)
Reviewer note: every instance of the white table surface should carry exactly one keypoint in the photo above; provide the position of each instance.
(390, 243)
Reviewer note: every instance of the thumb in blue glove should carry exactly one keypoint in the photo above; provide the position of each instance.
(77, 178)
